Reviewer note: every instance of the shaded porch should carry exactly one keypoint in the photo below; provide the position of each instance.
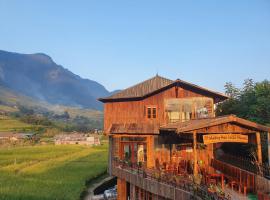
(195, 148)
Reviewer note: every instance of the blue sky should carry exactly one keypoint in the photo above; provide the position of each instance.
(120, 43)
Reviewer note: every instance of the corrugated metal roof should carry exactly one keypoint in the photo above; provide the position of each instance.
(156, 84)
(134, 128)
(143, 88)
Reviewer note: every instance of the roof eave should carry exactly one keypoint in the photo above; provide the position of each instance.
(218, 97)
(226, 119)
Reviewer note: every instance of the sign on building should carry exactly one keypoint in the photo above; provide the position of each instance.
(216, 138)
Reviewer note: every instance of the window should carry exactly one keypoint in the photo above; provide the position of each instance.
(184, 109)
(154, 113)
(151, 112)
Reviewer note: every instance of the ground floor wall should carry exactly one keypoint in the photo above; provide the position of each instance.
(127, 191)
(130, 186)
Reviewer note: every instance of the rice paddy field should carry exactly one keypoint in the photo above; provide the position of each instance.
(49, 172)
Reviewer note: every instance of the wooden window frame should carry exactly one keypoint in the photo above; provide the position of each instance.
(151, 107)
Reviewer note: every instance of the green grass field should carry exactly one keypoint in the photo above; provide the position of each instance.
(49, 172)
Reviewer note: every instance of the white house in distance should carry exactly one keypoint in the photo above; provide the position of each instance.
(76, 138)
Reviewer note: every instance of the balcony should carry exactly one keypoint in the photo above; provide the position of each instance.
(165, 184)
(247, 164)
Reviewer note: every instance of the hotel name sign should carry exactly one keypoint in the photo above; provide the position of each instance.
(216, 138)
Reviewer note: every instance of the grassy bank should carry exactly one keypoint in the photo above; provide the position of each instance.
(49, 172)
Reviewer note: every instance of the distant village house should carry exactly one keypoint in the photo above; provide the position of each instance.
(10, 136)
(76, 138)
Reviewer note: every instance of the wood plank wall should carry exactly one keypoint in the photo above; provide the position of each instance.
(134, 111)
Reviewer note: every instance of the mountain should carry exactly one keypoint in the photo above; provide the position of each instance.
(39, 77)
(10, 101)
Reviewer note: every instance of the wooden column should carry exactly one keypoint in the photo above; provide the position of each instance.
(268, 139)
(110, 155)
(259, 147)
(222, 181)
(121, 189)
(195, 167)
(150, 152)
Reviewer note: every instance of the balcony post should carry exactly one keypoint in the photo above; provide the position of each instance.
(121, 189)
(268, 139)
(150, 151)
(259, 147)
(195, 167)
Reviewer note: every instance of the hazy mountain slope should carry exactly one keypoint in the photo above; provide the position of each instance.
(38, 76)
(10, 100)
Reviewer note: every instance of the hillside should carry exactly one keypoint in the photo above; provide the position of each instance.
(8, 124)
(39, 77)
(9, 101)
(16, 105)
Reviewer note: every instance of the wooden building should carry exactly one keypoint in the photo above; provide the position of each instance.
(12, 136)
(76, 138)
(166, 143)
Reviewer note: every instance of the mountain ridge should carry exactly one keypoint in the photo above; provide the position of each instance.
(38, 76)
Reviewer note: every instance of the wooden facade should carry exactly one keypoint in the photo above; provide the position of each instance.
(135, 111)
(157, 126)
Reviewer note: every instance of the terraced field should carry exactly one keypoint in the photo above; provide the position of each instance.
(7, 124)
(49, 172)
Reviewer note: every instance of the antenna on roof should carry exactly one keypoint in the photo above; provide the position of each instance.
(157, 71)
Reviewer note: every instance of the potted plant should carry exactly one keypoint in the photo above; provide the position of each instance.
(211, 188)
(197, 179)
(157, 175)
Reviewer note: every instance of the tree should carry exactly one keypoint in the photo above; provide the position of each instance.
(252, 102)
(25, 111)
(231, 90)
(66, 115)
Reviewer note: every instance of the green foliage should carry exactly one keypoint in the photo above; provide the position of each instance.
(64, 116)
(49, 172)
(80, 124)
(25, 110)
(252, 102)
(36, 120)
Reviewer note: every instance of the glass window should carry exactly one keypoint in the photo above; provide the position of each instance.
(149, 112)
(183, 109)
(154, 113)
(140, 153)
(127, 152)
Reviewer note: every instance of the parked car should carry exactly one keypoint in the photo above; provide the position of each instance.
(110, 194)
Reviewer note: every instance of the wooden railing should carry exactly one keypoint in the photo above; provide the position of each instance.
(255, 183)
(182, 182)
(247, 164)
(244, 178)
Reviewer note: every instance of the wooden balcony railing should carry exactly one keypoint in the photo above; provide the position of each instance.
(246, 164)
(183, 182)
(245, 176)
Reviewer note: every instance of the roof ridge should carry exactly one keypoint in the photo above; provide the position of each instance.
(156, 76)
(141, 83)
(203, 88)
(154, 84)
